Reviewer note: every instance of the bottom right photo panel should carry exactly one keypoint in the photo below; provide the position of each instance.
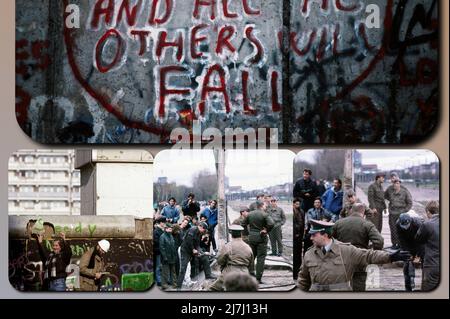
(366, 220)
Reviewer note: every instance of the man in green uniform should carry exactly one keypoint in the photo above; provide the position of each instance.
(236, 256)
(259, 197)
(400, 202)
(360, 233)
(376, 201)
(329, 265)
(276, 234)
(260, 224)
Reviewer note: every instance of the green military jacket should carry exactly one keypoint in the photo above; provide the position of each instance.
(258, 220)
(400, 202)
(376, 197)
(278, 215)
(334, 270)
(358, 232)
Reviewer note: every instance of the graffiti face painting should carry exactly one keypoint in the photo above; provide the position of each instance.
(132, 71)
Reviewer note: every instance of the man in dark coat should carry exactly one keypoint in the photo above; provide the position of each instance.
(407, 228)
(157, 232)
(190, 207)
(168, 250)
(429, 235)
(190, 248)
(305, 188)
(299, 233)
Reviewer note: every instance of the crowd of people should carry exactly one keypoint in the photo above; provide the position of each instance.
(190, 240)
(184, 235)
(336, 236)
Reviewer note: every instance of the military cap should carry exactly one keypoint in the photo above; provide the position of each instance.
(168, 225)
(380, 175)
(318, 226)
(244, 209)
(236, 228)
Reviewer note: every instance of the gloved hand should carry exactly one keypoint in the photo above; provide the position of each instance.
(400, 255)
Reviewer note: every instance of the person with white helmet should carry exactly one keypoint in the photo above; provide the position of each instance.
(92, 266)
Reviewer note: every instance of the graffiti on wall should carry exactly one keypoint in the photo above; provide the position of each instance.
(357, 84)
(129, 265)
(137, 69)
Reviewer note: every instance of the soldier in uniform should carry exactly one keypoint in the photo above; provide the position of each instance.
(276, 234)
(360, 233)
(376, 201)
(260, 224)
(329, 265)
(243, 211)
(400, 202)
(259, 197)
(236, 256)
(352, 200)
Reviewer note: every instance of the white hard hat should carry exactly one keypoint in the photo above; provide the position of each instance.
(104, 245)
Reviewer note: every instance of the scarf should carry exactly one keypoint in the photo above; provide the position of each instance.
(50, 265)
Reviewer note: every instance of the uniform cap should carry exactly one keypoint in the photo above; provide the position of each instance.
(318, 226)
(236, 228)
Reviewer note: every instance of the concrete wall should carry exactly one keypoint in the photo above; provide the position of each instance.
(338, 80)
(116, 182)
(129, 261)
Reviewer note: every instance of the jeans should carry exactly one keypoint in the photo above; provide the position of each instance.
(213, 236)
(57, 285)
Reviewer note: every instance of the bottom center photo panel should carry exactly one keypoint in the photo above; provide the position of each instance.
(223, 220)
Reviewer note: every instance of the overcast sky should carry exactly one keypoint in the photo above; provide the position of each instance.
(397, 159)
(181, 166)
(385, 159)
(259, 169)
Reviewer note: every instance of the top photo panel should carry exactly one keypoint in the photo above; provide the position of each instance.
(150, 71)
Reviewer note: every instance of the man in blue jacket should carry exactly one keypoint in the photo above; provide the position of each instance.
(171, 212)
(211, 215)
(333, 199)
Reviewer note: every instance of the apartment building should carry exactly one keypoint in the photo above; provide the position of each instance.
(43, 182)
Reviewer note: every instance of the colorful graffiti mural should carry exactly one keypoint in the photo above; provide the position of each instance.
(127, 257)
(129, 261)
(137, 69)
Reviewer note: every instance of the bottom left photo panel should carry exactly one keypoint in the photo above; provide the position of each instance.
(80, 220)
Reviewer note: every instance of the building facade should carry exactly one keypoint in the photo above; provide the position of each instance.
(43, 182)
